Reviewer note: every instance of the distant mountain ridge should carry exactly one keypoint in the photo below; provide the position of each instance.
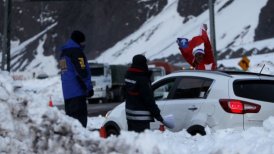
(238, 24)
(106, 23)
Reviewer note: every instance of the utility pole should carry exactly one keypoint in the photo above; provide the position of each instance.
(6, 36)
(212, 27)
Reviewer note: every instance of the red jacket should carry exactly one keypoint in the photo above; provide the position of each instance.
(208, 58)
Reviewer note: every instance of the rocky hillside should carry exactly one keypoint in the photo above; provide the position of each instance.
(105, 22)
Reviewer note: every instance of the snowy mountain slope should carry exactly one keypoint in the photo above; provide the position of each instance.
(40, 63)
(156, 38)
(37, 38)
(103, 22)
(256, 63)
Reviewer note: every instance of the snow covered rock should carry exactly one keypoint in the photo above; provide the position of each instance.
(6, 88)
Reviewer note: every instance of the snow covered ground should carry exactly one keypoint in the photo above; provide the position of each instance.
(41, 63)
(29, 125)
(256, 63)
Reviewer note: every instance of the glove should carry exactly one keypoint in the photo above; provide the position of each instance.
(204, 27)
(195, 63)
(182, 42)
(169, 121)
(90, 93)
(81, 83)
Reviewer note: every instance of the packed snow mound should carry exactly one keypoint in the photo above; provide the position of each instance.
(28, 125)
(46, 89)
(5, 87)
(228, 141)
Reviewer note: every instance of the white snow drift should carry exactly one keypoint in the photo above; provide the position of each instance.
(29, 125)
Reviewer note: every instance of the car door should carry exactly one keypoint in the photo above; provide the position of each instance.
(161, 91)
(186, 99)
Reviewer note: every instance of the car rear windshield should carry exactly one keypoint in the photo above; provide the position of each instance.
(262, 90)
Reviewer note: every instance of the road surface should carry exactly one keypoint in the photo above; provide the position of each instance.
(97, 109)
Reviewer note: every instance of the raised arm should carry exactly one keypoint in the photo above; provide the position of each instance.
(186, 51)
(209, 56)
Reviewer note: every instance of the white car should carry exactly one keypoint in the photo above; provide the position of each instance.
(213, 99)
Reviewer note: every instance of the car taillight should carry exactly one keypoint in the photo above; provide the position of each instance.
(239, 107)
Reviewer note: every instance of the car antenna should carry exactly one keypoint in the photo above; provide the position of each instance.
(261, 70)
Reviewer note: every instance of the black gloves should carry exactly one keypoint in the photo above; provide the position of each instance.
(81, 83)
(90, 93)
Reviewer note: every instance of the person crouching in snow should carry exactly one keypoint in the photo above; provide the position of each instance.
(198, 51)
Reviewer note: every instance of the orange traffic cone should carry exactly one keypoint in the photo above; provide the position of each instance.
(50, 103)
(103, 132)
(162, 128)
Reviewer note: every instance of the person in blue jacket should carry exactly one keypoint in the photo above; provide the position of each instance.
(76, 77)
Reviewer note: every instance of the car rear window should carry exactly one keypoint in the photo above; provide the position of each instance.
(262, 90)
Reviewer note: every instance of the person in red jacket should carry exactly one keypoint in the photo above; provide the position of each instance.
(198, 51)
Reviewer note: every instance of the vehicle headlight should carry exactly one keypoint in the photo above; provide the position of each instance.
(108, 113)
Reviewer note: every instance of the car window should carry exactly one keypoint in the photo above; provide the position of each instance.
(162, 89)
(192, 87)
(255, 89)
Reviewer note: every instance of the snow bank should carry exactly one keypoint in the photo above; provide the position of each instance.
(28, 125)
(229, 141)
(5, 87)
(44, 88)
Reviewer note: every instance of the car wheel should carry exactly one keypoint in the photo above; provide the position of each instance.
(112, 128)
(196, 129)
(112, 131)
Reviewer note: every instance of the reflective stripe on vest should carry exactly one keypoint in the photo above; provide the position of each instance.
(130, 81)
(138, 112)
(139, 117)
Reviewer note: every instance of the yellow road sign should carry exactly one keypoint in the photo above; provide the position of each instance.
(244, 63)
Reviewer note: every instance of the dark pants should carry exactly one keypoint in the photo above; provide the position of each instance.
(77, 108)
(138, 126)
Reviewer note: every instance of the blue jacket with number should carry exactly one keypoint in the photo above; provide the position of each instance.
(75, 71)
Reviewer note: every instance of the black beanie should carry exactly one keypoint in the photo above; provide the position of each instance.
(139, 61)
(78, 36)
